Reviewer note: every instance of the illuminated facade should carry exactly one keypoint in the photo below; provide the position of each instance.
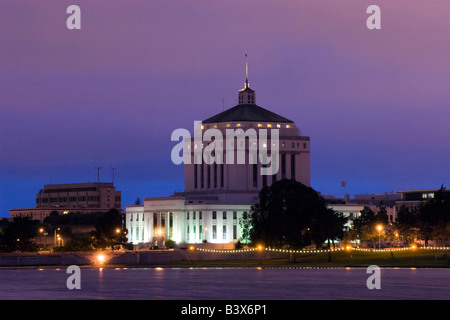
(216, 196)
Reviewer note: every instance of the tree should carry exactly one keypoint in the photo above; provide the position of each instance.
(290, 214)
(245, 223)
(109, 230)
(19, 235)
(365, 224)
(79, 242)
(405, 223)
(433, 218)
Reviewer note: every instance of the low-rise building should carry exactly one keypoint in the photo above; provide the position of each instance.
(73, 197)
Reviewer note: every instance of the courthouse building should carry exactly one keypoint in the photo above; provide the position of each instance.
(218, 194)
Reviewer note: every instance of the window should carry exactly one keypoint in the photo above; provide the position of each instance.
(208, 176)
(214, 232)
(234, 232)
(195, 176)
(255, 175)
(193, 215)
(170, 225)
(200, 232)
(224, 232)
(187, 215)
(202, 176)
(215, 174)
(155, 223)
(187, 232)
(293, 166)
(224, 215)
(235, 215)
(163, 220)
(304, 145)
(264, 177)
(214, 215)
(200, 215)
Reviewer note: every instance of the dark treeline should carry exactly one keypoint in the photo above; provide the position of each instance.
(292, 215)
(21, 233)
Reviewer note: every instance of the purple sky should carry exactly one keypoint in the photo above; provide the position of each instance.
(376, 104)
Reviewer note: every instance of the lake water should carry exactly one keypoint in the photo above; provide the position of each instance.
(224, 284)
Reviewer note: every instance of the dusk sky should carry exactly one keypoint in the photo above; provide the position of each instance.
(375, 103)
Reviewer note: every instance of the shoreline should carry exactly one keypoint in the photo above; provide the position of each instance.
(437, 258)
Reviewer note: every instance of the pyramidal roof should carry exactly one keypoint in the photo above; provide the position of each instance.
(247, 112)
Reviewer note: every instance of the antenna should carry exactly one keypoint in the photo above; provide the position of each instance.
(246, 71)
(111, 169)
(344, 184)
(98, 175)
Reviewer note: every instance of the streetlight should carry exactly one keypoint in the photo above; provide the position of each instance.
(55, 234)
(191, 248)
(43, 233)
(259, 248)
(379, 228)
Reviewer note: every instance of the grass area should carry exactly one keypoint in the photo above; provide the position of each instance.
(411, 258)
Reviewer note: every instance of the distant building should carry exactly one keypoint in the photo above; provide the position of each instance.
(352, 208)
(411, 199)
(73, 197)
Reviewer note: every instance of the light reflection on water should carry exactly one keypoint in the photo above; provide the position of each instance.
(225, 283)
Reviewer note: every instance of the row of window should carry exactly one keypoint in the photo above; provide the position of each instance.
(214, 232)
(215, 170)
(73, 199)
(241, 144)
(250, 125)
(214, 215)
(255, 174)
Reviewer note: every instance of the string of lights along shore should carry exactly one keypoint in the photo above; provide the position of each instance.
(348, 248)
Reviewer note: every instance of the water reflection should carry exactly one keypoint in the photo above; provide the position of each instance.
(225, 283)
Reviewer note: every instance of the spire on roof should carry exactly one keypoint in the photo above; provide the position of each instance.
(246, 71)
(246, 95)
